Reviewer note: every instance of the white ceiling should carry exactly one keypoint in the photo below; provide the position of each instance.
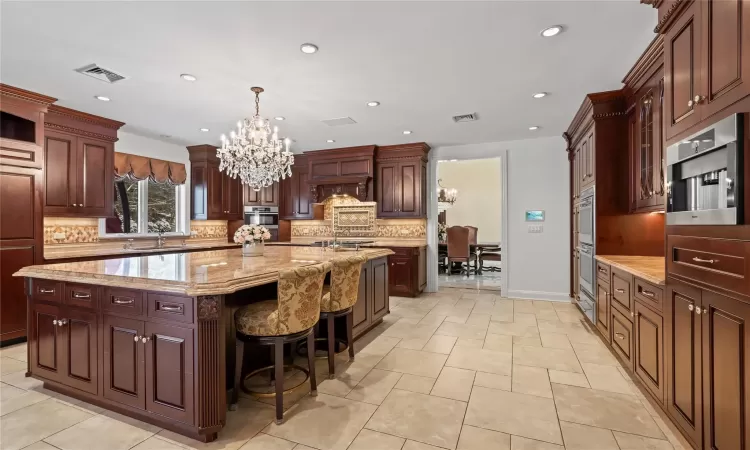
(424, 61)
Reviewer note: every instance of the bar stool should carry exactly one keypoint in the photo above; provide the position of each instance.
(338, 299)
(287, 319)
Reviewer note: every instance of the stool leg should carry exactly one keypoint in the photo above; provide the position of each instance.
(278, 347)
(311, 363)
(331, 346)
(239, 355)
(349, 340)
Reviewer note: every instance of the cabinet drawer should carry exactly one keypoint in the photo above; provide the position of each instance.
(648, 294)
(83, 295)
(402, 251)
(723, 263)
(46, 290)
(621, 283)
(602, 271)
(170, 307)
(123, 301)
(622, 337)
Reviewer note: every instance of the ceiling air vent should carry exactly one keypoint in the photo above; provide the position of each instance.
(100, 73)
(339, 121)
(466, 118)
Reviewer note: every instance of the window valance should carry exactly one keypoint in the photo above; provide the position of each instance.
(136, 168)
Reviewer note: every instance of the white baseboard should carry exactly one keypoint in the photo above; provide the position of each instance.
(539, 295)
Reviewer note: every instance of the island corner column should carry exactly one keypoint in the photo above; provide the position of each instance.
(210, 351)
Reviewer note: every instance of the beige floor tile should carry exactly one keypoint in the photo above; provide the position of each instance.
(423, 418)
(522, 443)
(10, 365)
(506, 317)
(633, 442)
(340, 387)
(543, 305)
(523, 306)
(440, 344)
(548, 358)
(41, 445)
(454, 383)
(473, 438)
(414, 445)
(378, 346)
(554, 340)
(374, 388)
(18, 351)
(493, 381)
(583, 336)
(415, 362)
(513, 413)
(415, 383)
(324, 422)
(594, 353)
(529, 341)
(584, 437)
(36, 422)
(303, 447)
(246, 422)
(499, 342)
(569, 316)
(472, 343)
(531, 380)
(546, 314)
(512, 329)
(413, 344)
(264, 441)
(606, 378)
(292, 398)
(152, 443)
(571, 378)
(461, 330)
(432, 319)
(147, 427)
(478, 320)
(557, 326)
(670, 431)
(372, 440)
(13, 398)
(603, 409)
(525, 318)
(357, 369)
(411, 331)
(480, 360)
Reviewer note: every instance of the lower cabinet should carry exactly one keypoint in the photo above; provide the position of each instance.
(407, 269)
(622, 337)
(373, 301)
(124, 372)
(648, 343)
(603, 315)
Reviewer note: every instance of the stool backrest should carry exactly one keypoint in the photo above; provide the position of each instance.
(345, 276)
(299, 295)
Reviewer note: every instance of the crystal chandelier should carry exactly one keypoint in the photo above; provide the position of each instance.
(446, 197)
(255, 154)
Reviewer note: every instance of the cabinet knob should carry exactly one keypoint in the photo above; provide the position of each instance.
(697, 310)
(699, 98)
(54, 322)
(691, 307)
(145, 339)
(61, 322)
(690, 104)
(136, 338)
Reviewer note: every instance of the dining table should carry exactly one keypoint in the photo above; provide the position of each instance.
(477, 248)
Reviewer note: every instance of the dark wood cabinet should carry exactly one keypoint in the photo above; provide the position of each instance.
(123, 361)
(169, 371)
(400, 274)
(387, 188)
(401, 180)
(267, 196)
(407, 270)
(603, 315)
(648, 343)
(296, 202)
(215, 195)
(622, 337)
(47, 352)
(647, 184)
(232, 198)
(372, 302)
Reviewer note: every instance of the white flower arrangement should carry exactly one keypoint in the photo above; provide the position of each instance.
(251, 233)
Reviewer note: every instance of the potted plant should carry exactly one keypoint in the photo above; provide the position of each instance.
(252, 237)
(442, 232)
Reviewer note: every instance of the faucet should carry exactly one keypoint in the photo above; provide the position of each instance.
(160, 240)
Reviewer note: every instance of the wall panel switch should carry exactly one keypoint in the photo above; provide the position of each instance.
(536, 228)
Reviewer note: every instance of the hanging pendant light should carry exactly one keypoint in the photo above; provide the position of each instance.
(446, 197)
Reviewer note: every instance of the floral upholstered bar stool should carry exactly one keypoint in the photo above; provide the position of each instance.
(285, 320)
(338, 299)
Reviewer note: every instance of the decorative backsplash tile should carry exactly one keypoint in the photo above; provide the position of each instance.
(337, 200)
(208, 228)
(391, 228)
(76, 230)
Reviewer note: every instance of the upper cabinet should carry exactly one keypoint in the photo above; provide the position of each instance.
(707, 61)
(215, 195)
(401, 180)
(294, 192)
(267, 196)
(341, 171)
(78, 163)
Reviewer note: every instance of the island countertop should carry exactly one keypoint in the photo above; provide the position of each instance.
(649, 268)
(213, 272)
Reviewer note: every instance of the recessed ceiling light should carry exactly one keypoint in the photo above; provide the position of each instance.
(373, 103)
(540, 95)
(453, 160)
(330, 141)
(280, 118)
(406, 132)
(308, 48)
(534, 128)
(551, 31)
(205, 130)
(102, 98)
(188, 77)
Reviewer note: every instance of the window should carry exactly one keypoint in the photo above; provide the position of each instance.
(145, 207)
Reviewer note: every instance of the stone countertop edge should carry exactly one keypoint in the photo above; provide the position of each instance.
(648, 268)
(90, 253)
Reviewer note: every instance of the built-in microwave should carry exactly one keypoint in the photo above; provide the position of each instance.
(268, 216)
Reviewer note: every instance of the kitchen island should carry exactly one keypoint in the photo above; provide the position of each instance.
(151, 336)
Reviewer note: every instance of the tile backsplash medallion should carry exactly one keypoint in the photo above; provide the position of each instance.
(386, 228)
(86, 230)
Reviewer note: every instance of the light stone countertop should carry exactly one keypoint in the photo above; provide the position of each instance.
(649, 268)
(379, 242)
(212, 272)
(115, 247)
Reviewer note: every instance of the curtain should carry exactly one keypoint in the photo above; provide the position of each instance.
(136, 168)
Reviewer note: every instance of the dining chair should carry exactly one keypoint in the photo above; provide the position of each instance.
(473, 231)
(458, 248)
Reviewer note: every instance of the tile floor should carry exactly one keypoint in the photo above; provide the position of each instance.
(459, 369)
(489, 281)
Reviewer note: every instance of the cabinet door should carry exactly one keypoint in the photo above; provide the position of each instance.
(400, 276)
(725, 55)
(288, 201)
(659, 183)
(80, 344)
(251, 197)
(361, 311)
(270, 195)
(380, 301)
(682, 48)
(648, 363)
(409, 189)
(683, 359)
(645, 168)
(726, 379)
(386, 194)
(215, 187)
(169, 371)
(603, 314)
(233, 198)
(634, 163)
(304, 206)
(59, 173)
(590, 150)
(45, 345)
(95, 180)
(124, 371)
(622, 337)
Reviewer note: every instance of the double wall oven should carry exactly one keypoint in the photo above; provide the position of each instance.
(586, 251)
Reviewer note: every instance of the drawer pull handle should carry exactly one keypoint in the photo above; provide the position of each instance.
(171, 308)
(601, 270)
(80, 295)
(46, 291)
(691, 307)
(648, 294)
(620, 291)
(123, 301)
(707, 261)
(620, 336)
